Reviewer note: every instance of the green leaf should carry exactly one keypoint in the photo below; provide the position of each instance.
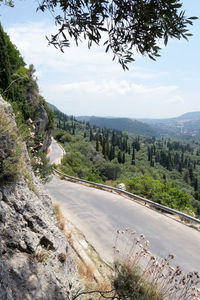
(193, 18)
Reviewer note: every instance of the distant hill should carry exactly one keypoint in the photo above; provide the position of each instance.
(190, 115)
(186, 124)
(186, 116)
(123, 124)
(53, 107)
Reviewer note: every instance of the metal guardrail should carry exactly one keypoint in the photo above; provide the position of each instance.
(133, 196)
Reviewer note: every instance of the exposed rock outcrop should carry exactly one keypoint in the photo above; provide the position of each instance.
(35, 259)
(42, 123)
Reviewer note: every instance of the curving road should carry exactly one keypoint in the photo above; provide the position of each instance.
(55, 153)
(98, 214)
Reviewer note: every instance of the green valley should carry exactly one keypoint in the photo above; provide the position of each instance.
(165, 170)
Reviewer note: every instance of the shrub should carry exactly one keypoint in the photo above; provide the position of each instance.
(139, 275)
(129, 284)
(10, 151)
(59, 216)
(159, 191)
(41, 166)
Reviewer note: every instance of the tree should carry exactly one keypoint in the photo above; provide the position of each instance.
(128, 26)
(91, 135)
(133, 157)
(123, 158)
(5, 76)
(119, 157)
(97, 144)
(104, 147)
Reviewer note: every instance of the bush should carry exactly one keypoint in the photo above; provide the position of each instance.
(76, 164)
(41, 166)
(159, 191)
(129, 284)
(139, 275)
(10, 151)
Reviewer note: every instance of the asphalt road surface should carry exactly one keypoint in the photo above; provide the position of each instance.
(55, 153)
(99, 214)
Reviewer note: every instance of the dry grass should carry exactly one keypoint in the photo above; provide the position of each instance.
(41, 255)
(149, 271)
(85, 271)
(59, 216)
(48, 151)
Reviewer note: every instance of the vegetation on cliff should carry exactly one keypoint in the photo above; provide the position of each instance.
(34, 118)
(10, 150)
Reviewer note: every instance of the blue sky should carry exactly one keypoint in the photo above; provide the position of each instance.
(88, 82)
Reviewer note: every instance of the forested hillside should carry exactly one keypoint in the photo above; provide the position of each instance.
(186, 125)
(18, 85)
(162, 169)
(123, 124)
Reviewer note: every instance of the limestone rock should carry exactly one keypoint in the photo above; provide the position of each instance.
(41, 124)
(30, 241)
(121, 186)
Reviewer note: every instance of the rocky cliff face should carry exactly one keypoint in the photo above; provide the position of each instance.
(42, 123)
(35, 259)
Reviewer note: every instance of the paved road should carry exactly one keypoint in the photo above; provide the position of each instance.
(98, 214)
(55, 153)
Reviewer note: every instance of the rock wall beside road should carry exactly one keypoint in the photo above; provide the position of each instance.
(35, 258)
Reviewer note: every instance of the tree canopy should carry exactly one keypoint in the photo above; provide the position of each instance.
(128, 26)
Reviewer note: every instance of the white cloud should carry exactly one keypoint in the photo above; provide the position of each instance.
(175, 99)
(83, 81)
(113, 87)
(30, 39)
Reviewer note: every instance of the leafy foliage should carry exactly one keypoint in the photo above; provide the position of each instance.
(7, 2)
(129, 26)
(130, 284)
(10, 151)
(159, 191)
(18, 86)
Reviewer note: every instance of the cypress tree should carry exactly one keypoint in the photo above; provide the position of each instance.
(180, 169)
(149, 153)
(133, 157)
(123, 158)
(91, 135)
(152, 163)
(5, 76)
(97, 144)
(119, 157)
(104, 147)
(191, 173)
(107, 149)
(164, 178)
(195, 184)
(112, 153)
(73, 128)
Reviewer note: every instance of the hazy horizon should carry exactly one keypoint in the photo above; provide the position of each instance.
(121, 117)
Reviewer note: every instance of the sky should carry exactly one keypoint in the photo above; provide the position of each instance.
(87, 82)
